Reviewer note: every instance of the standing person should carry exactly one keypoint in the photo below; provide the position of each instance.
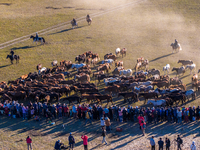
(88, 117)
(71, 142)
(29, 142)
(104, 135)
(179, 142)
(160, 143)
(167, 141)
(102, 122)
(193, 146)
(85, 141)
(108, 124)
(140, 119)
(74, 111)
(152, 142)
(143, 126)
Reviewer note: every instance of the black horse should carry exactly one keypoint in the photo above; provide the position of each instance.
(16, 57)
(38, 39)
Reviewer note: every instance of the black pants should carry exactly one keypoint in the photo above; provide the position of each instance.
(179, 146)
(167, 147)
(85, 147)
(153, 147)
(160, 148)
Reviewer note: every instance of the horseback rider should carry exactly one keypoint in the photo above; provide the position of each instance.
(176, 42)
(36, 37)
(74, 21)
(88, 16)
(12, 53)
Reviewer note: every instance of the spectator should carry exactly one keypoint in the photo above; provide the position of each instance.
(140, 119)
(179, 114)
(106, 111)
(88, 117)
(143, 126)
(160, 143)
(179, 142)
(167, 141)
(58, 145)
(102, 122)
(104, 135)
(120, 115)
(85, 141)
(193, 146)
(74, 111)
(29, 142)
(152, 142)
(71, 142)
(107, 122)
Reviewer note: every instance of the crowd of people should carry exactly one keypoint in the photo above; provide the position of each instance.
(89, 113)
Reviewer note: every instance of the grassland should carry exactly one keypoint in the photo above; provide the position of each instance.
(146, 28)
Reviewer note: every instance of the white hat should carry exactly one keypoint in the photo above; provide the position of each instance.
(59, 141)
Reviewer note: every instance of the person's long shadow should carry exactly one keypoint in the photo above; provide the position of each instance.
(66, 30)
(160, 57)
(24, 47)
(5, 66)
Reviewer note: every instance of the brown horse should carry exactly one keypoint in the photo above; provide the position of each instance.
(89, 20)
(138, 66)
(123, 52)
(147, 95)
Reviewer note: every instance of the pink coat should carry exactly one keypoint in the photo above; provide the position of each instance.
(85, 139)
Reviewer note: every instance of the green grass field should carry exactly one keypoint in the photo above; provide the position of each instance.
(146, 28)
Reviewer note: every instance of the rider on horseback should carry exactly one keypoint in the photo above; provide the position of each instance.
(176, 42)
(88, 16)
(12, 53)
(36, 37)
(74, 21)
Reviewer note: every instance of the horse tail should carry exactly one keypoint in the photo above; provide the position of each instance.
(43, 40)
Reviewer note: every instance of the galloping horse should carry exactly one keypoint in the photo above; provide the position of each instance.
(38, 39)
(176, 47)
(74, 24)
(16, 57)
(89, 20)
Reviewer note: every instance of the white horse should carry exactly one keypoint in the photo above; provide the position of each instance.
(191, 67)
(54, 63)
(110, 61)
(160, 102)
(166, 68)
(117, 51)
(77, 65)
(190, 92)
(42, 70)
(127, 72)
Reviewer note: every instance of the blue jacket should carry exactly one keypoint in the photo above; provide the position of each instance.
(57, 145)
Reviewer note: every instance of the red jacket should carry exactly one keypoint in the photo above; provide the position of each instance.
(66, 109)
(85, 139)
(28, 140)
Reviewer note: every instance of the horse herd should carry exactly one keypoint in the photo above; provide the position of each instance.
(49, 84)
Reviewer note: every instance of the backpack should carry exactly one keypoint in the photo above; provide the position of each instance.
(181, 141)
(71, 140)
